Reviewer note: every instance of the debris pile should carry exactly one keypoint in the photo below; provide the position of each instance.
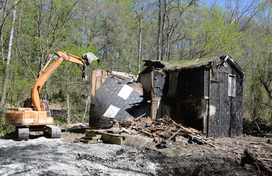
(80, 127)
(160, 130)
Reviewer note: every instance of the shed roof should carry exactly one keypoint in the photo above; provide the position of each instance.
(190, 64)
(150, 64)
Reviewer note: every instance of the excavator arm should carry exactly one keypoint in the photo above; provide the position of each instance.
(47, 71)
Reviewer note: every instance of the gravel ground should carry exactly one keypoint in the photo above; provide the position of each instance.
(44, 156)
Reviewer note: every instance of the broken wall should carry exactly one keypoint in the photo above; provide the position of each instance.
(115, 96)
(154, 87)
(184, 99)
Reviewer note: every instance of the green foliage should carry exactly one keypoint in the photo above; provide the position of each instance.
(4, 129)
(212, 36)
(113, 30)
(79, 50)
(220, 37)
(257, 47)
(134, 70)
(80, 118)
(76, 118)
(60, 121)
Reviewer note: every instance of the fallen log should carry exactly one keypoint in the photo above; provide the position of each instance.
(250, 159)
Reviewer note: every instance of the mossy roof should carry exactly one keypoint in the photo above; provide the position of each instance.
(185, 64)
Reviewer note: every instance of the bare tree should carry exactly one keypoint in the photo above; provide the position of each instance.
(169, 17)
(6, 78)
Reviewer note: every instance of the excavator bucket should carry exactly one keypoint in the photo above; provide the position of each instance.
(89, 57)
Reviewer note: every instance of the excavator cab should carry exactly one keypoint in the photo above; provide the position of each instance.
(25, 103)
(28, 104)
(45, 107)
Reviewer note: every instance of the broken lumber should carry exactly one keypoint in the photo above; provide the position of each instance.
(250, 159)
(200, 140)
(174, 134)
(189, 130)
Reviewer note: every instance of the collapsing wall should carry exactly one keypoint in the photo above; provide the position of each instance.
(115, 96)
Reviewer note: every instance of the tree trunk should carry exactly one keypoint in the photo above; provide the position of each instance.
(5, 83)
(88, 101)
(68, 108)
(159, 33)
(164, 31)
(140, 44)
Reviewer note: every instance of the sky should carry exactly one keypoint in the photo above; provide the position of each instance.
(231, 4)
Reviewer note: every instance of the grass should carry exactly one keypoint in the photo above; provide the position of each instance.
(188, 63)
(75, 118)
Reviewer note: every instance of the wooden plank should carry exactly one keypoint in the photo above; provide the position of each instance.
(93, 82)
(104, 75)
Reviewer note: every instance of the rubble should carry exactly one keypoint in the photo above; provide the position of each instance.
(158, 130)
(77, 128)
(115, 96)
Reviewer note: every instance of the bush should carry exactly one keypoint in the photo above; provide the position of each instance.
(4, 129)
(60, 117)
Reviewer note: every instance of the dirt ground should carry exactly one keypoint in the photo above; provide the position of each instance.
(217, 156)
(222, 156)
(181, 156)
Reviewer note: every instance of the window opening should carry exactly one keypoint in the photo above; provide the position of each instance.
(232, 85)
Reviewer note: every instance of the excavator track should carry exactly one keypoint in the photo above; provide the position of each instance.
(23, 133)
(53, 131)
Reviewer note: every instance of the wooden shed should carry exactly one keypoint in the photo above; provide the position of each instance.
(205, 94)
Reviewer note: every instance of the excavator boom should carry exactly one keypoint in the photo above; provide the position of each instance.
(46, 72)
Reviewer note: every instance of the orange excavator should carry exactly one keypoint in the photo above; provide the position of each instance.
(33, 114)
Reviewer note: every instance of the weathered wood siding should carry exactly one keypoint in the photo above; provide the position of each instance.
(237, 107)
(225, 112)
